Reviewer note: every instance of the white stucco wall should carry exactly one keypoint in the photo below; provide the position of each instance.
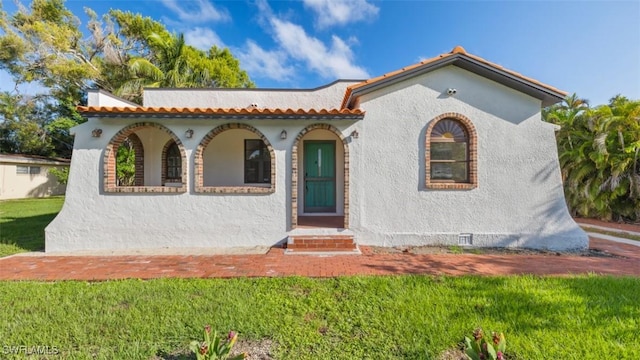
(103, 98)
(329, 97)
(93, 220)
(519, 200)
(19, 186)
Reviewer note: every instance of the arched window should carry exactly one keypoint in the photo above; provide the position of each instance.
(449, 152)
(173, 163)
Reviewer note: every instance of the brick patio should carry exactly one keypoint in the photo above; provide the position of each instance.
(276, 263)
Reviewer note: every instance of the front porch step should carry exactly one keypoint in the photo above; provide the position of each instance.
(322, 243)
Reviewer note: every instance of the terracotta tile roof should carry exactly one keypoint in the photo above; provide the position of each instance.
(457, 51)
(223, 112)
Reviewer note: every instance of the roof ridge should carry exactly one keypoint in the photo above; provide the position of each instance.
(456, 51)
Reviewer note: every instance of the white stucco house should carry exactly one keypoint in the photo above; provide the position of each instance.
(28, 176)
(451, 150)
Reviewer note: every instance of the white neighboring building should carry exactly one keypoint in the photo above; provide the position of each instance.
(451, 150)
(27, 176)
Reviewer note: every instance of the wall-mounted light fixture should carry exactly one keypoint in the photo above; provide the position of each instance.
(452, 91)
(96, 132)
(283, 134)
(189, 133)
(354, 134)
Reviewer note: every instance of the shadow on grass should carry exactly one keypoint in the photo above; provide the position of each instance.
(25, 232)
(163, 355)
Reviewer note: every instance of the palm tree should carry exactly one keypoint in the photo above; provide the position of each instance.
(170, 66)
(599, 156)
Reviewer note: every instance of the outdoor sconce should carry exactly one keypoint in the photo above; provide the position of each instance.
(283, 134)
(96, 132)
(189, 133)
(354, 134)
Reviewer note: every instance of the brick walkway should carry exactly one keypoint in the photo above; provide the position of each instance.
(275, 263)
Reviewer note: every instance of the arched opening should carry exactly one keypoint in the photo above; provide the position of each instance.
(235, 158)
(320, 178)
(171, 163)
(130, 162)
(133, 160)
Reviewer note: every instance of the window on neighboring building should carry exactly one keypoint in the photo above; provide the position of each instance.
(449, 152)
(257, 162)
(33, 170)
(174, 163)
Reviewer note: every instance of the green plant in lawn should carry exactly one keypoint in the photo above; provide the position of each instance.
(214, 348)
(481, 349)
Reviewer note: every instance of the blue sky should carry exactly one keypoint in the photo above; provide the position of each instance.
(588, 47)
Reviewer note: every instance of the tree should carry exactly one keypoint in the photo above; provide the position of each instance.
(123, 53)
(598, 150)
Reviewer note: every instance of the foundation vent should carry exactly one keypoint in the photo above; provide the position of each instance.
(465, 239)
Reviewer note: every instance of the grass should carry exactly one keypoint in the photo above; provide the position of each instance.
(620, 234)
(401, 317)
(22, 223)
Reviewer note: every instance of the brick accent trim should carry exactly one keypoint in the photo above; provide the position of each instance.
(473, 155)
(109, 162)
(198, 165)
(294, 171)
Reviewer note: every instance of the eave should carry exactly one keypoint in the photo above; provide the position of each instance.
(220, 113)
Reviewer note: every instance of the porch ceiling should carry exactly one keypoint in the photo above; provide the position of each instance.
(221, 113)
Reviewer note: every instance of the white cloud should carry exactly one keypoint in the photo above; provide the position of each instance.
(336, 61)
(196, 11)
(203, 38)
(267, 64)
(341, 12)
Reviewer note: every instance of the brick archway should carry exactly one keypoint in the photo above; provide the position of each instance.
(294, 171)
(199, 163)
(109, 161)
(472, 153)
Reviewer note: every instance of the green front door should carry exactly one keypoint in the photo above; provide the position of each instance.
(319, 176)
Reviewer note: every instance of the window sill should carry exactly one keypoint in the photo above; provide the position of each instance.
(451, 186)
(236, 189)
(146, 189)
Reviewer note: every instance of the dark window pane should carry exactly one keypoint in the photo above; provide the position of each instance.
(34, 170)
(22, 169)
(251, 170)
(454, 171)
(257, 162)
(460, 171)
(449, 151)
(441, 171)
(174, 163)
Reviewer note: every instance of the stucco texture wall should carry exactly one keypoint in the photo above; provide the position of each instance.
(94, 220)
(519, 201)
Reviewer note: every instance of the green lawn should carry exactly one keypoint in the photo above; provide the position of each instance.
(22, 223)
(401, 317)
